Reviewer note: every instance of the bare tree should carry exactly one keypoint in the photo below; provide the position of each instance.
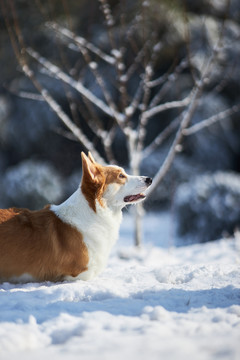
(125, 106)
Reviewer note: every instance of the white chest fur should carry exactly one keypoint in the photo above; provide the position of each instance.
(99, 229)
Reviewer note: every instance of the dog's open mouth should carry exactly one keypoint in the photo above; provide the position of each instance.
(131, 198)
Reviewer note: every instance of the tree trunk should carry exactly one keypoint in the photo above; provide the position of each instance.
(138, 209)
(138, 224)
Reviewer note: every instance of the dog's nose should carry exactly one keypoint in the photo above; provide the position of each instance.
(148, 181)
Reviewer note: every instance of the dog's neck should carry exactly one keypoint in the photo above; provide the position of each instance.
(77, 212)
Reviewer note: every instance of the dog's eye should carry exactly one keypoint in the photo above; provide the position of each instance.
(122, 176)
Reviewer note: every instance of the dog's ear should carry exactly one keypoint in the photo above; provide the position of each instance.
(89, 168)
(91, 157)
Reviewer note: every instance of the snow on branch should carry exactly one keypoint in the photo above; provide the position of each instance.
(210, 121)
(168, 79)
(173, 149)
(159, 81)
(56, 71)
(167, 106)
(188, 131)
(187, 116)
(117, 52)
(60, 113)
(98, 129)
(99, 79)
(25, 94)
(81, 42)
(137, 60)
(161, 137)
(107, 13)
(132, 107)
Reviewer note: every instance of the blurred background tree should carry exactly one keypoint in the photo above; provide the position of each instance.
(134, 82)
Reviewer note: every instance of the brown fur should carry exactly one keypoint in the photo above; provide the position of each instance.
(40, 244)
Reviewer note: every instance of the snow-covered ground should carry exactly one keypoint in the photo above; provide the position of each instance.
(160, 302)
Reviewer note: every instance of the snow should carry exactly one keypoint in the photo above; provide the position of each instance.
(93, 65)
(163, 301)
(116, 53)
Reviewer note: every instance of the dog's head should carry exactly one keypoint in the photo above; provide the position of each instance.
(110, 185)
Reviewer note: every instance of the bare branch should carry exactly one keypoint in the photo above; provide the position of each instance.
(189, 131)
(149, 71)
(144, 119)
(167, 106)
(121, 76)
(210, 121)
(173, 149)
(130, 110)
(161, 137)
(169, 78)
(94, 123)
(107, 142)
(24, 94)
(61, 114)
(67, 134)
(195, 95)
(109, 20)
(81, 42)
(118, 53)
(97, 128)
(56, 71)
(137, 60)
(99, 79)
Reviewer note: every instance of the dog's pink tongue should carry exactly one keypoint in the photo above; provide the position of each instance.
(131, 198)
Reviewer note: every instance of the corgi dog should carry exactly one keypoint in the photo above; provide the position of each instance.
(71, 240)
